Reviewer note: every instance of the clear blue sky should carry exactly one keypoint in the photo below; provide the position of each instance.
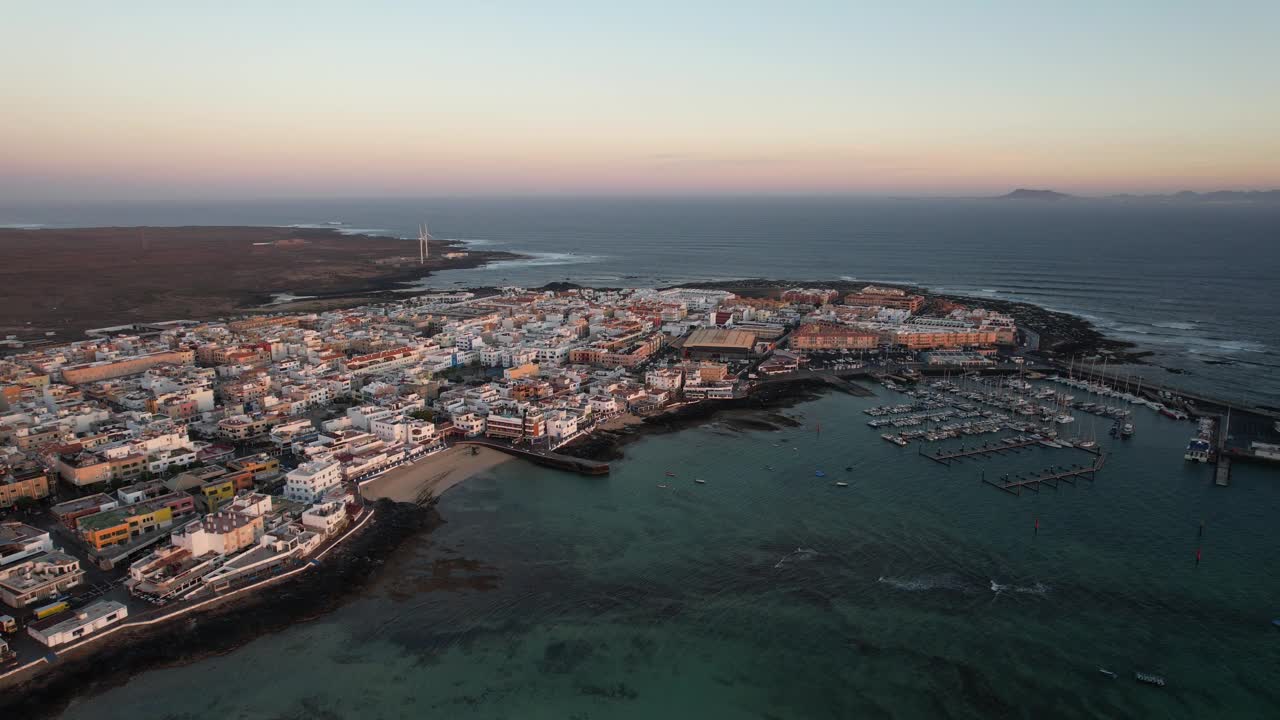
(150, 100)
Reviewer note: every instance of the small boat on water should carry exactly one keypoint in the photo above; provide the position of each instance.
(1149, 679)
(1126, 430)
(819, 473)
(670, 474)
(663, 485)
(841, 483)
(700, 481)
(1108, 673)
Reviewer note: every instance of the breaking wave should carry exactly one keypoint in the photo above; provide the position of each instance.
(924, 583)
(541, 259)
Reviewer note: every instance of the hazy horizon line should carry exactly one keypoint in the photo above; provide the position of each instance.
(605, 195)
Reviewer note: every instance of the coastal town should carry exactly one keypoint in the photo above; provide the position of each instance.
(153, 469)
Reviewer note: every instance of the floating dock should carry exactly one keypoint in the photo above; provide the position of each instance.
(985, 449)
(1049, 478)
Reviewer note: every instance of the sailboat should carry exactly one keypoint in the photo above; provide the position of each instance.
(1089, 442)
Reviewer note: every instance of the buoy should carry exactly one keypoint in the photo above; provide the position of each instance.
(1197, 557)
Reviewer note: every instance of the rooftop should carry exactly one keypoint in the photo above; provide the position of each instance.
(82, 617)
(721, 338)
(18, 533)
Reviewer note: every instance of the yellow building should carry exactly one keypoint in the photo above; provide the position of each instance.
(524, 371)
(259, 465)
(25, 482)
(216, 493)
(114, 527)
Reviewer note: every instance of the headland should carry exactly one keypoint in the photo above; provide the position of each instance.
(66, 281)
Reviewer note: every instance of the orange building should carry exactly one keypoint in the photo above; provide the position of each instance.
(872, 296)
(823, 336)
(932, 339)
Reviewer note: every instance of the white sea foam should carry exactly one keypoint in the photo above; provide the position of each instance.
(284, 298)
(1038, 588)
(541, 259)
(924, 583)
(340, 229)
(1175, 325)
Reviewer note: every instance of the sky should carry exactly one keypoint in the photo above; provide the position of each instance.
(148, 101)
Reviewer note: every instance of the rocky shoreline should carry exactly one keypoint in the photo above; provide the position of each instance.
(343, 573)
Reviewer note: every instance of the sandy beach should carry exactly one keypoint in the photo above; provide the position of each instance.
(436, 473)
(620, 422)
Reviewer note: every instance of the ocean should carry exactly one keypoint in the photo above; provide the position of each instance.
(915, 592)
(1195, 284)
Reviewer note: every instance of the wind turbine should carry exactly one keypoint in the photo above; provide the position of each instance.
(424, 250)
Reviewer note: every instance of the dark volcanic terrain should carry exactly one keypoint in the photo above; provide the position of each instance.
(70, 280)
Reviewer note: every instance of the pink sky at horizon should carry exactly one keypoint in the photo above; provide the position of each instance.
(249, 102)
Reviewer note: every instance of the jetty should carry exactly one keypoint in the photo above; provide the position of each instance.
(546, 458)
(945, 457)
(1048, 478)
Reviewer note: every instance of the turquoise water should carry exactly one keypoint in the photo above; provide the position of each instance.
(555, 596)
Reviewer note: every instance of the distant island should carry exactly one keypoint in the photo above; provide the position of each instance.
(1185, 196)
(1025, 194)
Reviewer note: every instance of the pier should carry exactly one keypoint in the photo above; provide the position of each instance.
(1222, 471)
(1050, 478)
(1205, 403)
(546, 458)
(945, 458)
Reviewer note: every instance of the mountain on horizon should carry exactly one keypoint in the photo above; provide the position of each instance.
(1217, 196)
(1185, 196)
(1026, 194)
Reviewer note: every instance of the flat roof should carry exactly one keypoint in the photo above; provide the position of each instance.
(721, 338)
(11, 532)
(80, 618)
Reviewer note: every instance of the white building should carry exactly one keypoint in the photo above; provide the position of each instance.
(561, 425)
(666, 379)
(85, 622)
(325, 518)
(164, 460)
(311, 480)
(470, 424)
(19, 541)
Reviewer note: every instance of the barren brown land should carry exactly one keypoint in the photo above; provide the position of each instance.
(69, 280)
